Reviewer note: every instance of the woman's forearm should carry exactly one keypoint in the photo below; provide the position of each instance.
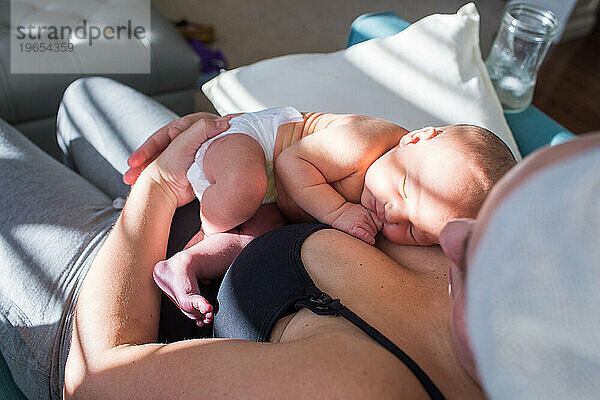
(112, 355)
(119, 303)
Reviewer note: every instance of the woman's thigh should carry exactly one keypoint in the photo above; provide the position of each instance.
(100, 122)
(51, 222)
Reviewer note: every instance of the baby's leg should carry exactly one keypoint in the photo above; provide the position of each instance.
(208, 257)
(176, 277)
(235, 165)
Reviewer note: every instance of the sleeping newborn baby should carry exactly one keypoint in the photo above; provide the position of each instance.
(361, 181)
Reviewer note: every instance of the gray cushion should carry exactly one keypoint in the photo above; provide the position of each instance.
(25, 97)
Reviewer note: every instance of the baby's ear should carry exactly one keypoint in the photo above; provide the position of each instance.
(418, 135)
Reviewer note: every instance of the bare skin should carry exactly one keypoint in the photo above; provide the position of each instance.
(114, 353)
(319, 165)
(235, 165)
(355, 173)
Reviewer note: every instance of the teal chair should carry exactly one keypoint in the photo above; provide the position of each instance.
(531, 128)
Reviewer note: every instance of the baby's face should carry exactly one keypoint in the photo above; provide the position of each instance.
(417, 187)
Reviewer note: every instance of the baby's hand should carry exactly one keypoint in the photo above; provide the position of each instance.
(358, 221)
(178, 278)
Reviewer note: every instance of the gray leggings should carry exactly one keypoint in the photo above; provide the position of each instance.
(53, 220)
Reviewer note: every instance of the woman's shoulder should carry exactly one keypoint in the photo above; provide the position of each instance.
(408, 305)
(329, 249)
(413, 281)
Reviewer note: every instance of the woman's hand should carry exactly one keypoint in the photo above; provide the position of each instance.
(158, 142)
(168, 154)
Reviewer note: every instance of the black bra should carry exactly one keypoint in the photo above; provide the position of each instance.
(268, 281)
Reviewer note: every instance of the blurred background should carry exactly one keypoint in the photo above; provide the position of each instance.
(568, 87)
(231, 33)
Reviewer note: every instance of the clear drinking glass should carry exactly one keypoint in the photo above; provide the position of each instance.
(525, 35)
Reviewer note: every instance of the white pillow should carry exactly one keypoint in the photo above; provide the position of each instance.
(429, 74)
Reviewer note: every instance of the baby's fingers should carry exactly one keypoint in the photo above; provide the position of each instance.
(378, 223)
(369, 223)
(363, 234)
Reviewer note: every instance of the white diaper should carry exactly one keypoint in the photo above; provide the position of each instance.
(260, 125)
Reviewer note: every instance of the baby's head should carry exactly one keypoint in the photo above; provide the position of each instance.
(433, 176)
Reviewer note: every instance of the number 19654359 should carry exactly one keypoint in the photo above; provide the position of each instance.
(64, 47)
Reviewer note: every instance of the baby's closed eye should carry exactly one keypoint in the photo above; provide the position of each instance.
(403, 187)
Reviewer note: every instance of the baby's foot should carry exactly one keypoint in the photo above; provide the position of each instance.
(208, 257)
(177, 279)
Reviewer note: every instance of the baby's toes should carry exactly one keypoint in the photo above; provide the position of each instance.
(198, 303)
(195, 315)
(187, 307)
(208, 318)
(201, 304)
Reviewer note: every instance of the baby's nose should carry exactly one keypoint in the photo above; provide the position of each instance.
(395, 213)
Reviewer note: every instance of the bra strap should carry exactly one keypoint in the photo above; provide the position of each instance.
(323, 304)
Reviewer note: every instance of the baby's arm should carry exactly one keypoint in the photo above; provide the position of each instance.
(235, 166)
(336, 153)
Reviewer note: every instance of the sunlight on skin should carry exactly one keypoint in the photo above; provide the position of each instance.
(417, 187)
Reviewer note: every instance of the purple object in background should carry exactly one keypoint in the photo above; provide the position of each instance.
(212, 60)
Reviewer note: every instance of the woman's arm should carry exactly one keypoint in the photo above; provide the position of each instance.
(116, 322)
(119, 303)
(113, 354)
(112, 351)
